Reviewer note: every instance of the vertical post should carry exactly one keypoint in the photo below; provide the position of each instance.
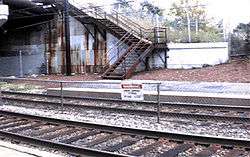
(157, 26)
(166, 57)
(105, 15)
(61, 93)
(21, 63)
(188, 21)
(118, 52)
(67, 37)
(147, 67)
(155, 37)
(125, 66)
(189, 27)
(158, 103)
(95, 12)
(141, 33)
(196, 26)
(117, 19)
(166, 36)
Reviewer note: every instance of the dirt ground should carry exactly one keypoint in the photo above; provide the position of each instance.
(88, 77)
(238, 71)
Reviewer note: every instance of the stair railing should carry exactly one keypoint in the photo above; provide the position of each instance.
(140, 58)
(117, 45)
(116, 18)
(124, 22)
(127, 51)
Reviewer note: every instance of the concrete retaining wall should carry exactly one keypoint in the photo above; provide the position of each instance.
(192, 55)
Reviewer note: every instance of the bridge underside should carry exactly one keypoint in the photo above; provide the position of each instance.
(34, 34)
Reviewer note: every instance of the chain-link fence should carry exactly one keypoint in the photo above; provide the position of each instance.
(87, 90)
(22, 62)
(155, 94)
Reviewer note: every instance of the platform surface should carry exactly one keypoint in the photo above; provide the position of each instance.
(237, 94)
(7, 152)
(175, 86)
(8, 149)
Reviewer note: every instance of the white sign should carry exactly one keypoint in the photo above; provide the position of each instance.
(132, 91)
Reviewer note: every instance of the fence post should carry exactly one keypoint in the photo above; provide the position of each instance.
(158, 103)
(117, 18)
(166, 38)
(21, 63)
(61, 93)
(95, 12)
(155, 37)
(105, 15)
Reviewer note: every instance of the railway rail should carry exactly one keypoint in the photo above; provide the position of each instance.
(101, 140)
(195, 111)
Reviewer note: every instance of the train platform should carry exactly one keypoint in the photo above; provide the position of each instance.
(188, 92)
(8, 149)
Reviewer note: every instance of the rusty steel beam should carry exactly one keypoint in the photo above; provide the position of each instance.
(67, 37)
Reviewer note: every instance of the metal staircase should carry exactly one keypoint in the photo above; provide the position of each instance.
(141, 42)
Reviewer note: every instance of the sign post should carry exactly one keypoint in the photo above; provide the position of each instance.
(132, 91)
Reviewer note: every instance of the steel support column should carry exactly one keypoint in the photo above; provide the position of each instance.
(166, 58)
(67, 37)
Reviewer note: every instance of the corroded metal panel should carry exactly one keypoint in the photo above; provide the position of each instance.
(88, 53)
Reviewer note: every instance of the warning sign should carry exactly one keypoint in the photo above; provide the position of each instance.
(132, 91)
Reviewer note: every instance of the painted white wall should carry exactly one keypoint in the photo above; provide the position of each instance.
(192, 55)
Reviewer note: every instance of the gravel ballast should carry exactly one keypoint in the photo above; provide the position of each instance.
(208, 128)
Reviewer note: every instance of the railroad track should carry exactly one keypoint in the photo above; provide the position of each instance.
(101, 140)
(195, 111)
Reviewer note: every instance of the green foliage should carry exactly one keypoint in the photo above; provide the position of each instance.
(240, 39)
(194, 8)
(200, 26)
(17, 87)
(202, 36)
(151, 9)
(123, 5)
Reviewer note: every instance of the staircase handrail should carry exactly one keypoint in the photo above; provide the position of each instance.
(133, 46)
(131, 49)
(118, 19)
(131, 69)
(117, 45)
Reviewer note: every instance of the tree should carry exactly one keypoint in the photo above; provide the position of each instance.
(189, 18)
(122, 6)
(240, 39)
(151, 9)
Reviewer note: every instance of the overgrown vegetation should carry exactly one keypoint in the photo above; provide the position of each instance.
(240, 40)
(187, 20)
(18, 87)
(145, 14)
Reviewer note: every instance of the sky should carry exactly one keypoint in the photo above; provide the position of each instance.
(232, 11)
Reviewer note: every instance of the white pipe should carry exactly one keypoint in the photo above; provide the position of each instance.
(4, 13)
